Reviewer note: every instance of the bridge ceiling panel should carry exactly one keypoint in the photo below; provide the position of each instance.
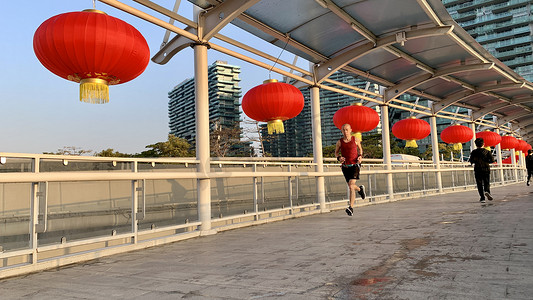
(439, 86)
(381, 62)
(410, 37)
(376, 14)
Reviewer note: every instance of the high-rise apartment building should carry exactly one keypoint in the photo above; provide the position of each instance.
(297, 140)
(224, 95)
(504, 28)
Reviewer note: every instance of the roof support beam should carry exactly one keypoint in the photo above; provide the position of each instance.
(325, 69)
(508, 119)
(451, 99)
(408, 84)
(485, 110)
(523, 124)
(215, 19)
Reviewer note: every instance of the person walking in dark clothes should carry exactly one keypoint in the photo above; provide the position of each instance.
(529, 165)
(482, 158)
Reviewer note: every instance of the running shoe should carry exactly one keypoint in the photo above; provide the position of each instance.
(362, 192)
(349, 211)
(489, 196)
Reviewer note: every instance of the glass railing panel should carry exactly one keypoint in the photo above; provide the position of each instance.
(13, 165)
(231, 196)
(275, 193)
(81, 210)
(65, 165)
(303, 187)
(15, 201)
(169, 202)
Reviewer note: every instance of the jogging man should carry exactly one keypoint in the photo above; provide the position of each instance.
(350, 153)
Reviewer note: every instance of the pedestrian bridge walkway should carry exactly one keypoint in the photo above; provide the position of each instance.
(446, 246)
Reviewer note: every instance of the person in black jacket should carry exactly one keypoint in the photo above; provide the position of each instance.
(529, 165)
(482, 158)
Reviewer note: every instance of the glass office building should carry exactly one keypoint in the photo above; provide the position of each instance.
(504, 28)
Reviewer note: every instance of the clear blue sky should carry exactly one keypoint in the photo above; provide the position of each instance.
(41, 112)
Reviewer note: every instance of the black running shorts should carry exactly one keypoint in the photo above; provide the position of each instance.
(351, 172)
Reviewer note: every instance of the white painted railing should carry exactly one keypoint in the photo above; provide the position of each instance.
(56, 210)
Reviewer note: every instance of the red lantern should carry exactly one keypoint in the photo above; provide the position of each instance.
(273, 102)
(411, 129)
(522, 146)
(508, 142)
(93, 49)
(528, 147)
(490, 138)
(456, 135)
(360, 118)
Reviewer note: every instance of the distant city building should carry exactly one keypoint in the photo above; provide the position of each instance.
(504, 28)
(224, 96)
(297, 141)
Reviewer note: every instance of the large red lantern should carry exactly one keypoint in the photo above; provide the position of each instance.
(273, 102)
(490, 138)
(508, 142)
(456, 135)
(93, 49)
(360, 118)
(411, 130)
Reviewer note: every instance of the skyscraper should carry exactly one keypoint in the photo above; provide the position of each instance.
(224, 95)
(504, 28)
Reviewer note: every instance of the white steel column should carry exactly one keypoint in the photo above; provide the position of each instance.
(201, 90)
(472, 144)
(435, 148)
(317, 146)
(386, 148)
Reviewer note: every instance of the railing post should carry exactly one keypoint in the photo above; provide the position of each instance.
(134, 204)
(386, 148)
(289, 169)
(256, 207)
(317, 147)
(34, 212)
(435, 146)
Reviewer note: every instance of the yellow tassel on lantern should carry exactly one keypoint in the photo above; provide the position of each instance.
(488, 148)
(275, 126)
(411, 144)
(358, 135)
(517, 153)
(457, 146)
(94, 90)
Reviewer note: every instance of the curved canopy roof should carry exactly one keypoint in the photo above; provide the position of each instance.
(408, 46)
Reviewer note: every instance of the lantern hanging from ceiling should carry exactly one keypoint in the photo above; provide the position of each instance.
(93, 49)
(273, 102)
(490, 138)
(522, 146)
(456, 135)
(360, 118)
(508, 142)
(411, 130)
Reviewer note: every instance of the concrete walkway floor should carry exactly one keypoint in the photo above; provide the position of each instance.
(440, 247)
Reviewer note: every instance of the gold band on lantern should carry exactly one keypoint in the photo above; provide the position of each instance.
(94, 90)
(94, 11)
(270, 81)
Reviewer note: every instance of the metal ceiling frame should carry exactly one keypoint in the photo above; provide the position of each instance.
(220, 13)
